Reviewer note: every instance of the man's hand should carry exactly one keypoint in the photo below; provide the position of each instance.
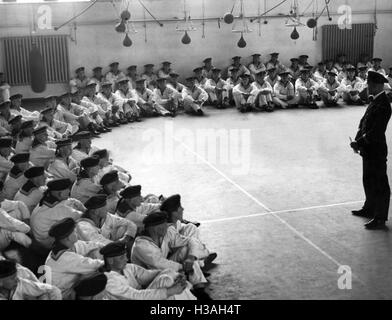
(177, 288)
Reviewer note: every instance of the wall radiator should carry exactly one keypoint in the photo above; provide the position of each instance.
(54, 50)
(352, 42)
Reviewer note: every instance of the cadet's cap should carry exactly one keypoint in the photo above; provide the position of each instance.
(27, 124)
(321, 63)
(304, 70)
(97, 68)
(245, 75)
(7, 268)
(198, 69)
(113, 64)
(377, 59)
(216, 70)
(91, 286)
(174, 74)
(110, 177)
(284, 73)
(350, 68)
(332, 73)
(5, 142)
(81, 135)
(91, 83)
(375, 77)
(190, 78)
(256, 55)
(34, 172)
(161, 79)
(154, 219)
(40, 130)
(274, 54)
(236, 58)
(62, 229)
(234, 70)
(106, 84)
(132, 67)
(63, 142)
(148, 65)
(20, 158)
(47, 110)
(16, 96)
(15, 119)
(207, 60)
(171, 204)
(261, 72)
(102, 153)
(362, 68)
(294, 59)
(5, 103)
(96, 202)
(303, 56)
(79, 69)
(89, 162)
(59, 184)
(122, 80)
(166, 62)
(131, 192)
(140, 80)
(113, 249)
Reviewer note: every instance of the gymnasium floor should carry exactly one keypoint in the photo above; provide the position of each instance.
(280, 220)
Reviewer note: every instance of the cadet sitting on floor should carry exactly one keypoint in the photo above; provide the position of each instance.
(17, 109)
(105, 98)
(41, 155)
(242, 94)
(294, 70)
(200, 79)
(284, 92)
(350, 88)
(194, 97)
(14, 287)
(54, 206)
(262, 93)
(207, 68)
(63, 165)
(306, 90)
(33, 190)
(111, 184)
(99, 226)
(217, 90)
(330, 90)
(145, 99)
(256, 65)
(241, 69)
(132, 282)
(160, 247)
(84, 187)
(16, 209)
(165, 99)
(172, 206)
(125, 100)
(132, 206)
(83, 146)
(69, 259)
(80, 81)
(377, 66)
(164, 72)
(275, 63)
(16, 179)
(150, 76)
(114, 74)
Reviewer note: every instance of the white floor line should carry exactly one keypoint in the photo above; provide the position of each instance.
(260, 204)
(280, 211)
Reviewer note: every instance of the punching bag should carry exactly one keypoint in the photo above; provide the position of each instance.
(37, 70)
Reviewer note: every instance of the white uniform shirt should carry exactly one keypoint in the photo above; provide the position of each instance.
(61, 170)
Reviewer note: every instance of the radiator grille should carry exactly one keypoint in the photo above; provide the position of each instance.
(54, 50)
(352, 42)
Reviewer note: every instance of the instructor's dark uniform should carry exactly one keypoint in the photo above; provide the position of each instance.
(373, 149)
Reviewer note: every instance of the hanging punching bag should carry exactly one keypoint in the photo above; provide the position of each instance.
(37, 70)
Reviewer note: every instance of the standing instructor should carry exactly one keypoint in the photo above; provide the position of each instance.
(370, 143)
